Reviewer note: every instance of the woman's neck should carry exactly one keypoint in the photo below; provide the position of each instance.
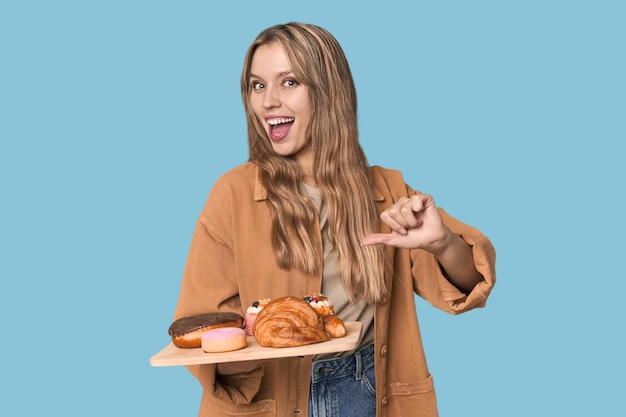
(304, 159)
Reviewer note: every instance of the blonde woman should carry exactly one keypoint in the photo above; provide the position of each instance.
(308, 214)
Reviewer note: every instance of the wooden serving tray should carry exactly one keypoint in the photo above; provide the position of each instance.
(175, 356)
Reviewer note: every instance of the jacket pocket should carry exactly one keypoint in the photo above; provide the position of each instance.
(263, 408)
(416, 397)
(412, 388)
(233, 396)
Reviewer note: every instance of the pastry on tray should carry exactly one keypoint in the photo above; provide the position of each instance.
(292, 321)
(252, 312)
(224, 339)
(320, 303)
(186, 332)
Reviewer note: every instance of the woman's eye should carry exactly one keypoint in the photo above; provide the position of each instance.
(290, 83)
(257, 85)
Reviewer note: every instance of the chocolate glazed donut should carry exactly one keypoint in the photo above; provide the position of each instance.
(186, 332)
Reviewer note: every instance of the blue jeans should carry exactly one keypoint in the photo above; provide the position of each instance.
(344, 387)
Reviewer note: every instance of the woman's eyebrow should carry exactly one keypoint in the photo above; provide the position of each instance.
(280, 74)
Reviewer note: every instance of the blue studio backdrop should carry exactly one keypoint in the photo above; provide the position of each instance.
(116, 117)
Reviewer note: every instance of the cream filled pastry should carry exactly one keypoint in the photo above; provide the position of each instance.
(252, 312)
(320, 303)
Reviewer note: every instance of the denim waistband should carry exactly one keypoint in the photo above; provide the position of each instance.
(350, 365)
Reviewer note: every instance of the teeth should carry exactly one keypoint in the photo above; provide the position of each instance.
(280, 120)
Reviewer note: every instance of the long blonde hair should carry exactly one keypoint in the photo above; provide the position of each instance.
(340, 167)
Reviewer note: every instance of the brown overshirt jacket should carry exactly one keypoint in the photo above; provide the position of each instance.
(231, 264)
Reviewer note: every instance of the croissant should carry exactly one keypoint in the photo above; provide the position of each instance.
(333, 325)
(288, 322)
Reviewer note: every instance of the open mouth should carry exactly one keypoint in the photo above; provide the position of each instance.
(279, 127)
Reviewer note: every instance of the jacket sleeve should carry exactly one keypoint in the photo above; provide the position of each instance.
(429, 281)
(431, 284)
(209, 284)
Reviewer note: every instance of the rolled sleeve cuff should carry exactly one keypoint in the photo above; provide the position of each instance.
(484, 260)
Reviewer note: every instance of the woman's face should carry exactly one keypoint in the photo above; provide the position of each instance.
(279, 100)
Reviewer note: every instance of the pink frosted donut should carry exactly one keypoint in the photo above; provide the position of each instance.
(223, 339)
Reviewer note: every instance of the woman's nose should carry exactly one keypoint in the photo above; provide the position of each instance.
(271, 98)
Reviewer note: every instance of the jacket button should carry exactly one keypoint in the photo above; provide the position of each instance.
(384, 401)
(383, 350)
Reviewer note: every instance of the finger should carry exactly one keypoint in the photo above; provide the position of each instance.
(401, 216)
(391, 239)
(408, 214)
(375, 239)
(390, 217)
(421, 202)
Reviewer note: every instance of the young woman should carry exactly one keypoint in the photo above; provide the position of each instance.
(308, 214)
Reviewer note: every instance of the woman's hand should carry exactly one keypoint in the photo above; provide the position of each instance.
(415, 223)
